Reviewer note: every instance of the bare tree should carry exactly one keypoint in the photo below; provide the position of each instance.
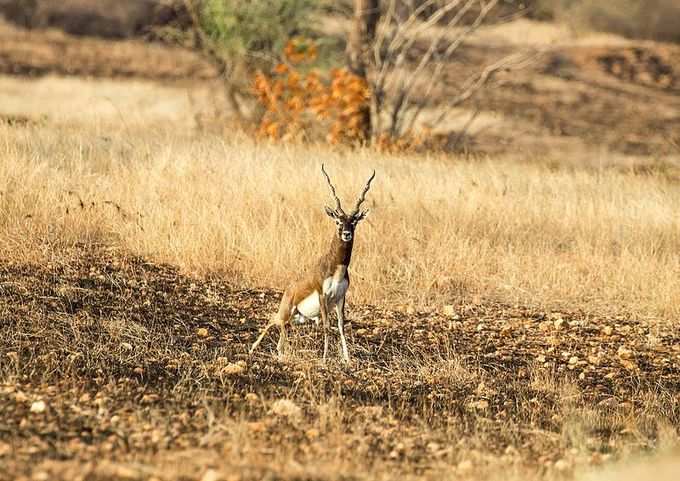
(361, 37)
(414, 44)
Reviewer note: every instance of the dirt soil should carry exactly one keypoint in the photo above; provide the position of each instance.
(100, 18)
(106, 356)
(623, 98)
(44, 52)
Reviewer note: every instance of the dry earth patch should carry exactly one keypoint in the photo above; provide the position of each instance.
(106, 356)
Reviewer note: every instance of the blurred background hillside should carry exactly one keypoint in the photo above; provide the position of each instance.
(602, 78)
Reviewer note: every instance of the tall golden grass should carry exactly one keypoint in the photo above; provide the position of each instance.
(440, 229)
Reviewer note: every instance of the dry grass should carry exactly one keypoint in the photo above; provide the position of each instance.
(440, 228)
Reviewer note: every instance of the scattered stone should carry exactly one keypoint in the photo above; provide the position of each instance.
(465, 466)
(38, 407)
(609, 403)
(202, 332)
(234, 368)
(211, 475)
(287, 409)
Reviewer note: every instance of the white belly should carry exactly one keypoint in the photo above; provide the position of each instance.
(334, 288)
(309, 306)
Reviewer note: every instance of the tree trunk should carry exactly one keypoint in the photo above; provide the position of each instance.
(361, 37)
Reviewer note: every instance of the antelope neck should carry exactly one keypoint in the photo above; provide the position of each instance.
(340, 253)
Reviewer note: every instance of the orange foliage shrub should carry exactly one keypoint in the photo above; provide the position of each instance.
(300, 105)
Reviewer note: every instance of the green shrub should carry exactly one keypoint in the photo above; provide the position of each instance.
(255, 27)
(241, 37)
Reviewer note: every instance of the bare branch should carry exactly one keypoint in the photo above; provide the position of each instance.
(435, 76)
(477, 82)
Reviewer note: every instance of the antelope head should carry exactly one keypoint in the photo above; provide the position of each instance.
(346, 223)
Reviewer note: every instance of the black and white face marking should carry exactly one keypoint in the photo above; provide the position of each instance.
(345, 229)
(345, 224)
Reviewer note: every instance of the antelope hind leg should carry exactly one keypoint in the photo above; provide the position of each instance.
(323, 307)
(280, 319)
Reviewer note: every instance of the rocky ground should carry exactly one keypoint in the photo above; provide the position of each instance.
(104, 355)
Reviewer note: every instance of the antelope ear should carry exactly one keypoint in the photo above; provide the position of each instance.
(361, 215)
(330, 212)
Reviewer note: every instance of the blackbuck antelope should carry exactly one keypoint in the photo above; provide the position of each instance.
(325, 285)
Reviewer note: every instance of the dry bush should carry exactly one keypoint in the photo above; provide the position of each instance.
(439, 230)
(310, 105)
(655, 19)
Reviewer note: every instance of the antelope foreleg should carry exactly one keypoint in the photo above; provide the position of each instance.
(340, 310)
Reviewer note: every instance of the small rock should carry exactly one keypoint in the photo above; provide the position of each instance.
(449, 310)
(4, 449)
(202, 332)
(150, 398)
(211, 475)
(630, 365)
(234, 368)
(20, 397)
(287, 408)
(562, 465)
(38, 407)
(433, 447)
(609, 403)
(624, 352)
